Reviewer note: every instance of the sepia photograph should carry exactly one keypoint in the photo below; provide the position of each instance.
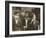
(24, 18)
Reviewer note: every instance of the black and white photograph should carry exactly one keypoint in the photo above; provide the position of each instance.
(25, 18)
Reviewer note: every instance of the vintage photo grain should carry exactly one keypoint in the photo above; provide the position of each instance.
(25, 18)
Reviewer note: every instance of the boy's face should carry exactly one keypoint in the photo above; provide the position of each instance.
(23, 13)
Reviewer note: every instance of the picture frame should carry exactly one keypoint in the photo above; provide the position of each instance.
(11, 6)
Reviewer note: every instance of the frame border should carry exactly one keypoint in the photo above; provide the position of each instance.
(7, 18)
